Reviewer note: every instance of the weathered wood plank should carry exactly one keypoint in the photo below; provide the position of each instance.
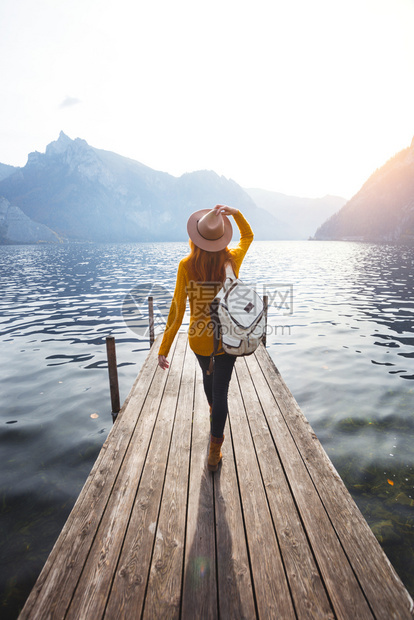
(344, 591)
(271, 588)
(53, 590)
(146, 456)
(308, 592)
(200, 579)
(236, 599)
(383, 588)
(163, 598)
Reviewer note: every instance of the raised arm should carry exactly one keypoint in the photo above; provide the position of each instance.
(246, 233)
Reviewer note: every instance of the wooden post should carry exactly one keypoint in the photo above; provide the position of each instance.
(151, 320)
(265, 305)
(113, 375)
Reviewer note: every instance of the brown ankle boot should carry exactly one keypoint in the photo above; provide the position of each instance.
(215, 454)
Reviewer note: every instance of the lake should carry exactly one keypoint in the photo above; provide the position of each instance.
(341, 331)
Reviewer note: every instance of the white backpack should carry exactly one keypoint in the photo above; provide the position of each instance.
(238, 317)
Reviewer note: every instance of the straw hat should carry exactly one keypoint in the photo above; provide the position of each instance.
(209, 230)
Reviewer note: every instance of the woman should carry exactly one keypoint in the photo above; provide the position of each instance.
(200, 276)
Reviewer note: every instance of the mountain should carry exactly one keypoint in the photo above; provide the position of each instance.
(16, 227)
(299, 216)
(383, 209)
(6, 171)
(84, 193)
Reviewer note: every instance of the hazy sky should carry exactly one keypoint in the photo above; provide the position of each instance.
(305, 97)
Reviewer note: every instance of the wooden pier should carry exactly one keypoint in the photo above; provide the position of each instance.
(274, 534)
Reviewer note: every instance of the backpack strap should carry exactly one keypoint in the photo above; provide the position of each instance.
(216, 334)
(230, 275)
(216, 321)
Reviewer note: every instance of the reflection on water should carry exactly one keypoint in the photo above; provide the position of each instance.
(341, 333)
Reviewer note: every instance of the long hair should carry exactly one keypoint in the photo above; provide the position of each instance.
(206, 266)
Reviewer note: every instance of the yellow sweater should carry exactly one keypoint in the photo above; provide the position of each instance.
(200, 335)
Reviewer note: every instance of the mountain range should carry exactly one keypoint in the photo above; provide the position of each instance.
(16, 227)
(383, 209)
(75, 192)
(6, 171)
(300, 217)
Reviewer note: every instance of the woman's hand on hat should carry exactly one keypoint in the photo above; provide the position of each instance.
(163, 362)
(225, 210)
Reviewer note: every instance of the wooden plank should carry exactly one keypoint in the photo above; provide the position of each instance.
(54, 587)
(236, 599)
(91, 594)
(139, 390)
(308, 592)
(343, 589)
(200, 580)
(383, 588)
(271, 588)
(163, 598)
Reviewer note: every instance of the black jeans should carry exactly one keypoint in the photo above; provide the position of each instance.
(216, 387)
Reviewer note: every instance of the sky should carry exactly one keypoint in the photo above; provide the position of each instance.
(301, 97)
